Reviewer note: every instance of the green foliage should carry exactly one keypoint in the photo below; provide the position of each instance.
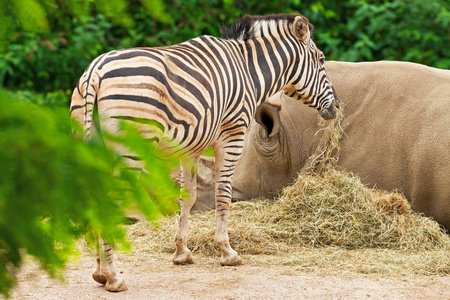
(45, 63)
(53, 54)
(54, 188)
(362, 30)
(28, 14)
(209, 152)
(56, 98)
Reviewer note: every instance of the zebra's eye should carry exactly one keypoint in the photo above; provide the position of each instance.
(322, 60)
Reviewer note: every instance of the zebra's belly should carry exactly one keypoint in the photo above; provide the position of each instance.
(179, 142)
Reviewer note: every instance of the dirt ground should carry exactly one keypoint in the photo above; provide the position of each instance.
(153, 276)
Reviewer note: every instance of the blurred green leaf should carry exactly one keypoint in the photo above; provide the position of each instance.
(54, 188)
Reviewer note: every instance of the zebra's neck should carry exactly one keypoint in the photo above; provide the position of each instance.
(268, 68)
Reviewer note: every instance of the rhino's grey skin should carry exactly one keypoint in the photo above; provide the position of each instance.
(397, 135)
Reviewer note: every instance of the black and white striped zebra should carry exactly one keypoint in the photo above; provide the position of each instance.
(203, 93)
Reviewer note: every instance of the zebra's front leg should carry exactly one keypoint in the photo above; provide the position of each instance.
(227, 156)
(188, 182)
(106, 272)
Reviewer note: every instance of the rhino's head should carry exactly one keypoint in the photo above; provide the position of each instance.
(277, 145)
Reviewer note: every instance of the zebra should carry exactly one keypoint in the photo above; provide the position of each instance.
(203, 93)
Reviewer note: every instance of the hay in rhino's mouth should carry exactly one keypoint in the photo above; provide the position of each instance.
(327, 154)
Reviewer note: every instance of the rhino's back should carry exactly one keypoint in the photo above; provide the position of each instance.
(398, 131)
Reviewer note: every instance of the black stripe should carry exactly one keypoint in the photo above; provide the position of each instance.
(234, 154)
(157, 75)
(132, 157)
(232, 160)
(236, 126)
(265, 69)
(173, 77)
(187, 57)
(216, 72)
(76, 107)
(126, 54)
(269, 91)
(87, 81)
(153, 102)
(78, 88)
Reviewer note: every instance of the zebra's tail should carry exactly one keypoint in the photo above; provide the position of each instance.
(82, 106)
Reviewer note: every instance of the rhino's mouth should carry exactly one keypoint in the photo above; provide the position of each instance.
(237, 196)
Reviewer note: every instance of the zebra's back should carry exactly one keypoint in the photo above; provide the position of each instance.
(178, 95)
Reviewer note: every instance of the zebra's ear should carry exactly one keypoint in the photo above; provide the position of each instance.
(301, 29)
(268, 116)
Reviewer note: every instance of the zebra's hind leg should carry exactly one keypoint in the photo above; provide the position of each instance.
(97, 275)
(189, 183)
(106, 272)
(227, 155)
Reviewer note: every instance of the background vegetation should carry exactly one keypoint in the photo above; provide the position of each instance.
(45, 45)
(50, 43)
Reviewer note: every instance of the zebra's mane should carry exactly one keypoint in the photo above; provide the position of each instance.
(248, 27)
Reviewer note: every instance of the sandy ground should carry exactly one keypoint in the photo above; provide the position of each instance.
(155, 277)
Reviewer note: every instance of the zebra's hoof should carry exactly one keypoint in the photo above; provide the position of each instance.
(233, 260)
(117, 286)
(183, 259)
(99, 278)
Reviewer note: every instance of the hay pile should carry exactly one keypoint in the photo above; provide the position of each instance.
(334, 209)
(337, 209)
(319, 220)
(324, 209)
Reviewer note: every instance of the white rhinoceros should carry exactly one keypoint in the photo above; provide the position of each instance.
(397, 136)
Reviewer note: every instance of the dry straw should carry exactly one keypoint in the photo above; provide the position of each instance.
(326, 208)
(327, 153)
(333, 209)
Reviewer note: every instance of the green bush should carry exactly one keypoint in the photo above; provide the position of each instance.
(54, 188)
(362, 30)
(45, 63)
(54, 57)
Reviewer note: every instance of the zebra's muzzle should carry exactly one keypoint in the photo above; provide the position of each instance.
(328, 113)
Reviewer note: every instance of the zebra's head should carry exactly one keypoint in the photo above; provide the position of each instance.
(310, 83)
(283, 56)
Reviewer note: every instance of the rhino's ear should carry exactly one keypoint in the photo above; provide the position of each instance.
(268, 116)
